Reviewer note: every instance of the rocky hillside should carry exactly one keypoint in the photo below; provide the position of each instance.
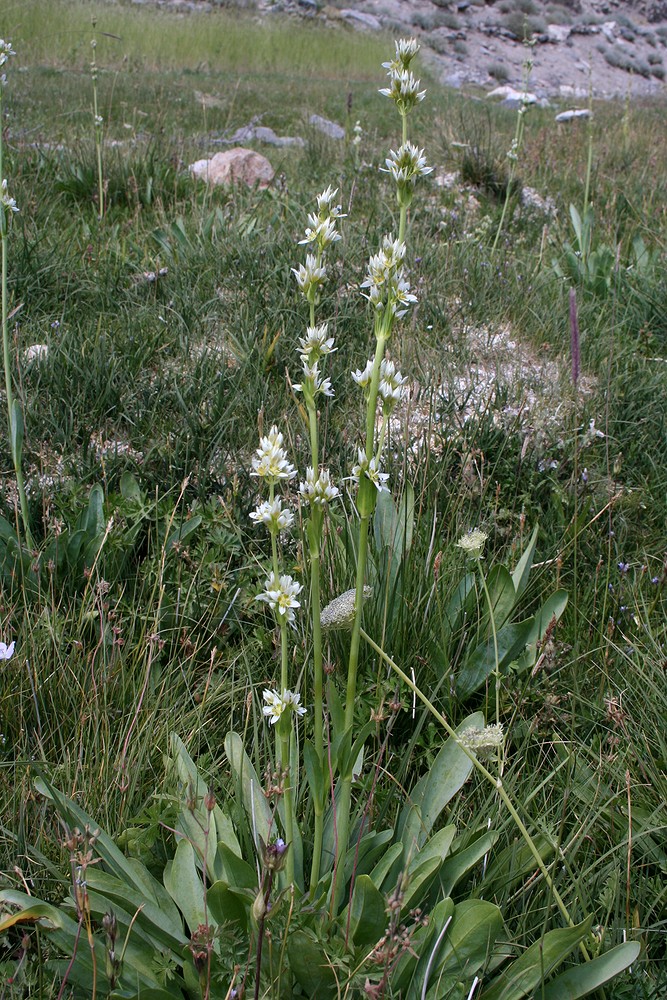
(612, 47)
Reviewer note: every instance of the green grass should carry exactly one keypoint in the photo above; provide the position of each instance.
(154, 391)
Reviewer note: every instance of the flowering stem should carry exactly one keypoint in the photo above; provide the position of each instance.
(496, 782)
(494, 633)
(315, 533)
(13, 412)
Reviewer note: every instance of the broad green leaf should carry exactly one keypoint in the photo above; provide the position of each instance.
(183, 883)
(437, 846)
(310, 965)
(183, 531)
(361, 857)
(237, 872)
(129, 487)
(385, 864)
(526, 973)
(524, 565)
(225, 907)
(163, 924)
(255, 804)
(431, 794)
(74, 816)
(408, 979)
(583, 979)
(95, 523)
(503, 597)
(368, 914)
(460, 862)
(481, 663)
(421, 878)
(474, 929)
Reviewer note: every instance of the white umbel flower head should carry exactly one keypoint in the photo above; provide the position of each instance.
(326, 206)
(473, 543)
(281, 593)
(277, 704)
(313, 383)
(318, 490)
(270, 461)
(273, 515)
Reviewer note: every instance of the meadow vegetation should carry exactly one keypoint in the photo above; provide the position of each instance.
(168, 321)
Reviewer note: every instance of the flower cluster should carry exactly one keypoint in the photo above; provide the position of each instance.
(6, 651)
(270, 461)
(8, 204)
(280, 593)
(406, 164)
(273, 515)
(6, 51)
(385, 279)
(276, 704)
(310, 276)
(339, 613)
(318, 490)
(473, 543)
(403, 88)
(391, 386)
(369, 469)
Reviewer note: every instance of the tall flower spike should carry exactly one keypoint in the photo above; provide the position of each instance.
(403, 90)
(316, 344)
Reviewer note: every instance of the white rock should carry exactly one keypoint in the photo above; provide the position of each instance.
(609, 29)
(362, 20)
(332, 129)
(568, 116)
(558, 33)
(36, 352)
(507, 93)
(235, 166)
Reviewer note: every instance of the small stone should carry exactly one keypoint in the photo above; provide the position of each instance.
(332, 129)
(235, 166)
(361, 20)
(568, 116)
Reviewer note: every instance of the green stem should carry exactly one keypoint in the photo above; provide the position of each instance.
(494, 633)
(496, 782)
(16, 458)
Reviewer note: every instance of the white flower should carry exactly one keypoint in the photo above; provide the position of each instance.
(313, 383)
(326, 207)
(281, 593)
(363, 378)
(5, 200)
(391, 387)
(321, 232)
(406, 164)
(6, 51)
(369, 469)
(276, 704)
(406, 50)
(473, 543)
(6, 652)
(316, 343)
(404, 89)
(99, 121)
(310, 276)
(320, 490)
(272, 514)
(270, 461)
